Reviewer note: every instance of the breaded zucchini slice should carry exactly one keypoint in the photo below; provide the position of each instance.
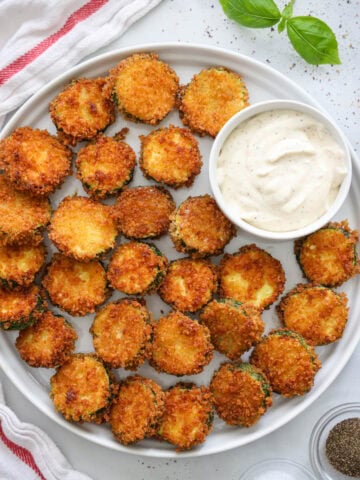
(143, 212)
(82, 110)
(76, 287)
(234, 326)
(137, 268)
(329, 256)
(136, 409)
(316, 312)
(144, 87)
(251, 275)
(188, 416)
(20, 263)
(81, 389)
(211, 98)
(35, 161)
(23, 217)
(20, 308)
(122, 333)
(181, 346)
(189, 284)
(105, 166)
(82, 228)
(171, 156)
(48, 343)
(288, 362)
(198, 227)
(241, 393)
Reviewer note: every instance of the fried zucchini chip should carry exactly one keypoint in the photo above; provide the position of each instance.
(234, 326)
(181, 346)
(288, 362)
(329, 256)
(23, 217)
(144, 88)
(48, 343)
(105, 166)
(136, 409)
(188, 416)
(171, 156)
(82, 228)
(143, 212)
(122, 334)
(316, 312)
(82, 389)
(76, 287)
(137, 268)
(20, 308)
(251, 275)
(211, 98)
(82, 110)
(198, 227)
(241, 393)
(20, 263)
(189, 284)
(35, 161)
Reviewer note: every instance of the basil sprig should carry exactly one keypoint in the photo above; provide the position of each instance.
(312, 38)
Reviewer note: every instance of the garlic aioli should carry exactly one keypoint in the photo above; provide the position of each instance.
(280, 170)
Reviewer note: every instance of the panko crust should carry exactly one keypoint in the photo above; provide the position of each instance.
(82, 110)
(199, 228)
(181, 346)
(251, 275)
(35, 161)
(143, 87)
(171, 156)
(20, 308)
(48, 343)
(213, 96)
(316, 312)
(241, 393)
(189, 284)
(76, 287)
(288, 362)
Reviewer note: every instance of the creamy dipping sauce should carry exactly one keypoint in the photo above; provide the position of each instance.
(280, 170)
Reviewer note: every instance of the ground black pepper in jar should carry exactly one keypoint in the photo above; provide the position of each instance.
(343, 447)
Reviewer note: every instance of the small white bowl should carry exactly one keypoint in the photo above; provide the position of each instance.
(250, 112)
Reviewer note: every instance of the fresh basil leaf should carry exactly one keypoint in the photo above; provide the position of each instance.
(313, 40)
(288, 10)
(252, 13)
(282, 25)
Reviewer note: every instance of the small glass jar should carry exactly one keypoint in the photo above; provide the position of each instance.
(277, 469)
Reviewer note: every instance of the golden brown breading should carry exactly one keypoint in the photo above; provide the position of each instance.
(329, 255)
(23, 217)
(82, 110)
(136, 410)
(171, 156)
(105, 166)
(188, 416)
(48, 343)
(251, 275)
(122, 333)
(82, 228)
(181, 346)
(143, 212)
(20, 308)
(20, 263)
(288, 362)
(316, 312)
(189, 284)
(137, 268)
(234, 326)
(211, 98)
(81, 389)
(143, 87)
(241, 393)
(35, 161)
(76, 287)
(198, 227)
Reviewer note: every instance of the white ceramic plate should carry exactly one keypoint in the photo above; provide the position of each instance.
(263, 83)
